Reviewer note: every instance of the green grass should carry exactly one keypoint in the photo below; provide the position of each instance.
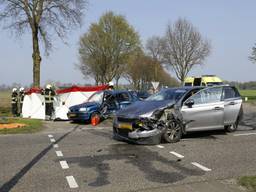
(33, 125)
(5, 103)
(250, 94)
(249, 182)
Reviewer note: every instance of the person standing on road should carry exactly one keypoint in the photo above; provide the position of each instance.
(15, 102)
(49, 94)
(20, 100)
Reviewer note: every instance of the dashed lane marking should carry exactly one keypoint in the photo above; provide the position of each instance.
(64, 164)
(160, 146)
(71, 182)
(50, 136)
(59, 153)
(200, 166)
(244, 134)
(52, 140)
(177, 154)
(56, 146)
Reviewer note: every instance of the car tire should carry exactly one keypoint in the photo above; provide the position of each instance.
(231, 128)
(173, 132)
(96, 116)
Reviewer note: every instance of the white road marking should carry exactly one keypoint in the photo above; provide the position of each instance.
(177, 154)
(71, 182)
(244, 134)
(64, 164)
(52, 140)
(200, 166)
(160, 146)
(59, 153)
(50, 136)
(56, 146)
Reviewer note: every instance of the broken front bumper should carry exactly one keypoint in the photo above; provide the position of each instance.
(138, 136)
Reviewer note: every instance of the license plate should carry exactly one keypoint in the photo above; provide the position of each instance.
(125, 126)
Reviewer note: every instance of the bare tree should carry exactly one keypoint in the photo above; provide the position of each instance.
(184, 48)
(140, 72)
(44, 19)
(155, 47)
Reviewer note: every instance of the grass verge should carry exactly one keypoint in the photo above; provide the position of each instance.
(5, 112)
(32, 126)
(249, 182)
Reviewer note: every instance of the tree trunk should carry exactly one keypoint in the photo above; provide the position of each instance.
(117, 82)
(36, 59)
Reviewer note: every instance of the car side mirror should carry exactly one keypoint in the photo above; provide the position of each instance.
(189, 102)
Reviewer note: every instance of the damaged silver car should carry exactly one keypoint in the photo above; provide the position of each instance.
(171, 113)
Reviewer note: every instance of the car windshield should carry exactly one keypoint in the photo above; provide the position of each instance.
(96, 97)
(167, 94)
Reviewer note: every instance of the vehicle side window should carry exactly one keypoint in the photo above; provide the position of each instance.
(192, 92)
(110, 100)
(123, 97)
(209, 95)
(230, 92)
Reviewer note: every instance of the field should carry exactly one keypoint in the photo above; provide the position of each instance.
(31, 125)
(250, 94)
(5, 103)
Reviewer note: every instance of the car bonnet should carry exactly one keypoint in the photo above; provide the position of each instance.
(85, 105)
(142, 107)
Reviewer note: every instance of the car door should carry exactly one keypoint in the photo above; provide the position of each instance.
(207, 111)
(109, 104)
(232, 104)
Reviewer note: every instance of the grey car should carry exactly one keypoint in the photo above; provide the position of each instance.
(172, 113)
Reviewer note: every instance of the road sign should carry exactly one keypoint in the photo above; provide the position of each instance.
(155, 84)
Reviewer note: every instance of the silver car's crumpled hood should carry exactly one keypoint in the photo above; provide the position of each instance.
(142, 107)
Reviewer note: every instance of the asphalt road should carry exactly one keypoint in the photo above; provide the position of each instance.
(70, 157)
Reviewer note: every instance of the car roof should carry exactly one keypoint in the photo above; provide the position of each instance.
(114, 92)
(187, 88)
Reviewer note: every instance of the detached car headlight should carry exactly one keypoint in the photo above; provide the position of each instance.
(83, 109)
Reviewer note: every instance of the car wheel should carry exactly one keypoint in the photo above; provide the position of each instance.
(231, 128)
(95, 119)
(173, 132)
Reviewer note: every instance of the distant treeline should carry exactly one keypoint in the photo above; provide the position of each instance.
(243, 86)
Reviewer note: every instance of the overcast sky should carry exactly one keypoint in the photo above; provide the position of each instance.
(229, 25)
